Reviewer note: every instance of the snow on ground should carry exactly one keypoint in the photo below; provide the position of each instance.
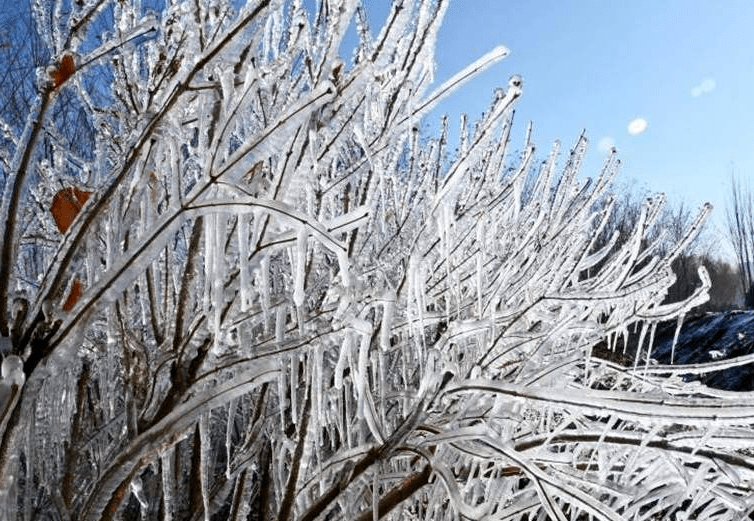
(708, 338)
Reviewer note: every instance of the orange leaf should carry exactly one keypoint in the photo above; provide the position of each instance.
(66, 205)
(66, 69)
(77, 288)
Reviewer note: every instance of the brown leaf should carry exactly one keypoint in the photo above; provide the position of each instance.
(66, 205)
(77, 288)
(66, 69)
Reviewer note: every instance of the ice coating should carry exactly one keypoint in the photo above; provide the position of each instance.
(296, 300)
(12, 370)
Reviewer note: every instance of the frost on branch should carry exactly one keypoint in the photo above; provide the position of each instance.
(289, 304)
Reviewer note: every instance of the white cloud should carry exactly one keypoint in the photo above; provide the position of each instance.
(705, 87)
(606, 144)
(636, 126)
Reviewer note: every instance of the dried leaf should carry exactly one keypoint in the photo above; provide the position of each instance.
(66, 205)
(77, 289)
(253, 171)
(64, 71)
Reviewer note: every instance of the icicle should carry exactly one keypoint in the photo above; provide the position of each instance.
(175, 176)
(365, 408)
(227, 78)
(29, 464)
(480, 268)
(229, 434)
(243, 261)
(382, 360)
(376, 493)
(204, 448)
(318, 382)
(622, 331)
(282, 400)
(264, 289)
(374, 373)
(347, 420)
(640, 346)
(675, 337)
(345, 348)
(92, 265)
(421, 307)
(218, 282)
(377, 169)
(344, 265)
(209, 258)
(280, 317)
(412, 281)
(166, 461)
(143, 213)
(370, 415)
(649, 348)
(445, 225)
(299, 277)
(336, 418)
(144, 304)
(294, 388)
(109, 242)
(388, 311)
(406, 402)
(360, 373)
(300, 320)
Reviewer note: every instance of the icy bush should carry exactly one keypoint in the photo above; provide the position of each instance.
(259, 293)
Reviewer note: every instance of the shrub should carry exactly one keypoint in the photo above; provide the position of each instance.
(273, 299)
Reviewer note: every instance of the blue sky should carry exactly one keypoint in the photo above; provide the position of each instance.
(686, 68)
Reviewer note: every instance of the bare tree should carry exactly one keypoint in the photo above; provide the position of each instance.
(740, 219)
(259, 293)
(725, 293)
(21, 52)
(675, 219)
